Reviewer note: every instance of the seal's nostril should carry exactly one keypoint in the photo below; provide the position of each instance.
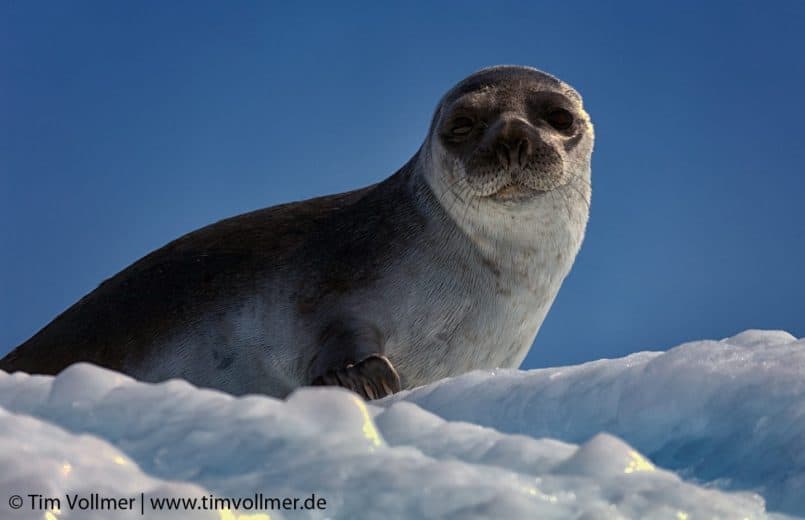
(513, 152)
(523, 152)
(511, 139)
(504, 154)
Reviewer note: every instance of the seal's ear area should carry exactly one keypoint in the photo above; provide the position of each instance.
(371, 378)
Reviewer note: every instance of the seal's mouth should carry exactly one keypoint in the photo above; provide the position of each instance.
(515, 192)
(512, 184)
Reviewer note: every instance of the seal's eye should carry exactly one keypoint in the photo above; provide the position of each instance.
(461, 126)
(560, 119)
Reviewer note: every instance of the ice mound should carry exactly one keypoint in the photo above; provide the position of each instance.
(727, 413)
(714, 411)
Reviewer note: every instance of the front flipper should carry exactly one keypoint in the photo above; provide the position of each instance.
(372, 378)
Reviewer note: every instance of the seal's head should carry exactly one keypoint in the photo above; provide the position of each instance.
(508, 134)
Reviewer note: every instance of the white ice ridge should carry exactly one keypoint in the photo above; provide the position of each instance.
(730, 414)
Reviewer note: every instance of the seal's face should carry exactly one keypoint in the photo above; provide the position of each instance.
(510, 134)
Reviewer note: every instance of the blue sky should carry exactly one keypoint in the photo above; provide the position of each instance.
(127, 124)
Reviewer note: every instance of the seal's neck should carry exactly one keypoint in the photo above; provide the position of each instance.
(520, 237)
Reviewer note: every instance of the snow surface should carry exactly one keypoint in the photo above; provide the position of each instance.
(727, 416)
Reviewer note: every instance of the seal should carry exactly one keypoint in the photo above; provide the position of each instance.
(448, 265)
